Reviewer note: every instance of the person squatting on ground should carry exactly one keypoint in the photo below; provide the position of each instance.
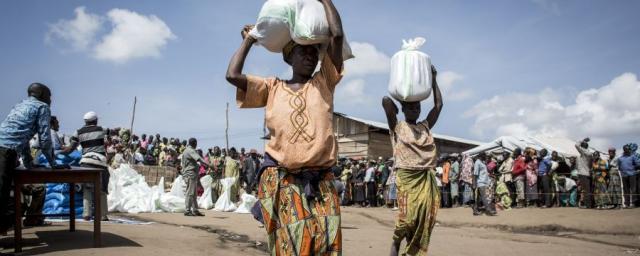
(191, 162)
(92, 139)
(297, 198)
(416, 156)
(27, 118)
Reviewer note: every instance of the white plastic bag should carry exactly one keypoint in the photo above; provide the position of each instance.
(311, 25)
(205, 201)
(247, 203)
(224, 203)
(272, 29)
(410, 75)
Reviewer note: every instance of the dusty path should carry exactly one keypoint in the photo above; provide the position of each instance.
(366, 232)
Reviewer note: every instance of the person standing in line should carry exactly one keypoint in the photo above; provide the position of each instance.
(232, 170)
(191, 162)
(92, 139)
(446, 170)
(482, 185)
(615, 180)
(454, 175)
(531, 173)
(583, 165)
(466, 180)
(250, 168)
(415, 154)
(519, 173)
(505, 174)
(600, 167)
(391, 183)
(345, 177)
(216, 170)
(628, 163)
(370, 184)
(359, 188)
(544, 178)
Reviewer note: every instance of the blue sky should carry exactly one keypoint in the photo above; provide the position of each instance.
(561, 68)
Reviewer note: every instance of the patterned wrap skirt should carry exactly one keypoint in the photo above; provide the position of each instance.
(419, 201)
(296, 223)
(615, 188)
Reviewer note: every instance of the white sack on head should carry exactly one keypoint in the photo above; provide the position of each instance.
(410, 76)
(273, 27)
(311, 25)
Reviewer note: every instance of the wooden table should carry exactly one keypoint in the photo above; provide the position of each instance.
(75, 175)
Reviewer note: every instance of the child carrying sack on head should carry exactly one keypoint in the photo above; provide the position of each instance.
(415, 153)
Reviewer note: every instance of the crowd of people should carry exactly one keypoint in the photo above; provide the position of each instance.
(518, 179)
(531, 178)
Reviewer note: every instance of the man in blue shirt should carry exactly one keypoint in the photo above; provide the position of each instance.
(544, 177)
(483, 187)
(628, 163)
(26, 119)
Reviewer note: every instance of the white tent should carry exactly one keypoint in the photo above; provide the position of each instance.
(565, 147)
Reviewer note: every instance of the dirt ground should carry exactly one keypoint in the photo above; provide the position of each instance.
(366, 231)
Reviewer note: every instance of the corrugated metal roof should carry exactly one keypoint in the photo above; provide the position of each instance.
(385, 126)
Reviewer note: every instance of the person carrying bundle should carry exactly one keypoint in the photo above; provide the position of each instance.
(297, 198)
(415, 154)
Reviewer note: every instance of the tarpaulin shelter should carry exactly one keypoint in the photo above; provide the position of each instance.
(564, 146)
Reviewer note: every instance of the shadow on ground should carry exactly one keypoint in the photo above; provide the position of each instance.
(55, 241)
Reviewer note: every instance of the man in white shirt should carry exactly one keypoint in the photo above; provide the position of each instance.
(370, 182)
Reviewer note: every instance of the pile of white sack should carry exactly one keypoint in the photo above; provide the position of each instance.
(303, 21)
(410, 76)
(130, 193)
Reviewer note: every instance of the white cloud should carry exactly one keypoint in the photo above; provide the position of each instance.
(459, 94)
(80, 32)
(609, 114)
(447, 80)
(133, 36)
(368, 60)
(352, 92)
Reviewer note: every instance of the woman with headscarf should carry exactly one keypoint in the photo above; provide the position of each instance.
(600, 194)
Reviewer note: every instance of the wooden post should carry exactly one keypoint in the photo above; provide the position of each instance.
(133, 116)
(226, 129)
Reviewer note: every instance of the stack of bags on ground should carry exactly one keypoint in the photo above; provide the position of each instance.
(57, 194)
(57, 199)
(303, 21)
(130, 193)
